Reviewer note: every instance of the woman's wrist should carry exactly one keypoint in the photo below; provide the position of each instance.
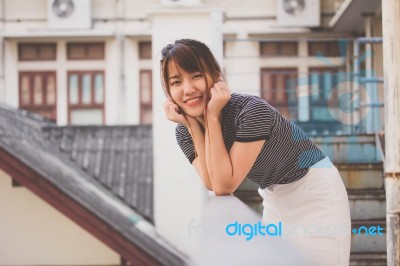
(213, 118)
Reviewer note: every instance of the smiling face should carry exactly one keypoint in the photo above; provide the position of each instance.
(188, 70)
(188, 90)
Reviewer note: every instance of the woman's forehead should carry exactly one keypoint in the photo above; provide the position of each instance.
(174, 69)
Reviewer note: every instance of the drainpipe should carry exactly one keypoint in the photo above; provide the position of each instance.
(358, 79)
(121, 43)
(3, 53)
(391, 63)
(372, 120)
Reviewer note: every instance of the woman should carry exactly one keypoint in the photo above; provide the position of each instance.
(228, 137)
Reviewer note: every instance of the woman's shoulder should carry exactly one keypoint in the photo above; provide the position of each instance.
(235, 96)
(240, 100)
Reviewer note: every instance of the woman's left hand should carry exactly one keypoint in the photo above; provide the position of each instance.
(220, 95)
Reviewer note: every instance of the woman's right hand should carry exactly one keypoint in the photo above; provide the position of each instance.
(171, 110)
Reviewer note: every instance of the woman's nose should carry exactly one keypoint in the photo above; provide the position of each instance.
(188, 88)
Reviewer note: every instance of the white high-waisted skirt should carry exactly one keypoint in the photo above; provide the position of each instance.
(315, 214)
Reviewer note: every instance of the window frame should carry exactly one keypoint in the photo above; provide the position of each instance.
(279, 48)
(279, 105)
(141, 54)
(37, 46)
(329, 51)
(322, 100)
(31, 106)
(142, 105)
(87, 47)
(80, 105)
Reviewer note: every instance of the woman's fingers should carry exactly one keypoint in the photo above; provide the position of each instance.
(221, 90)
(172, 112)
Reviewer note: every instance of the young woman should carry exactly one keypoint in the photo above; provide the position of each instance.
(228, 137)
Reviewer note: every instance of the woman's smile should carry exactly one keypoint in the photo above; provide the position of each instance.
(193, 101)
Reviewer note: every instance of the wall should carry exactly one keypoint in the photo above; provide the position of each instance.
(34, 233)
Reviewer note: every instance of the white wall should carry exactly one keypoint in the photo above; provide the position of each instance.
(34, 233)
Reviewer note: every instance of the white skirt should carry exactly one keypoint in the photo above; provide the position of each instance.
(315, 214)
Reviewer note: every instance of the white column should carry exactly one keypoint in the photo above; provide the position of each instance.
(243, 52)
(2, 59)
(179, 195)
(391, 57)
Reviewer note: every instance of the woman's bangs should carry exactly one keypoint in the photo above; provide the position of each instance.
(187, 60)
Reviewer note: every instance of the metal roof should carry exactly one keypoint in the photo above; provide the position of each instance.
(117, 157)
(106, 169)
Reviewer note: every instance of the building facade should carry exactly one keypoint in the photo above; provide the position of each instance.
(93, 66)
(96, 62)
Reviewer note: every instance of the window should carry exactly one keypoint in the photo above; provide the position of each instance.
(322, 93)
(278, 48)
(326, 48)
(85, 51)
(145, 97)
(86, 97)
(144, 50)
(278, 87)
(38, 93)
(36, 51)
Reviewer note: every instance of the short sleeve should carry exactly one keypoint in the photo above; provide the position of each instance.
(185, 142)
(255, 120)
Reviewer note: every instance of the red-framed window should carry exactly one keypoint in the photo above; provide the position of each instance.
(278, 88)
(86, 97)
(145, 96)
(271, 49)
(38, 92)
(86, 51)
(325, 48)
(323, 92)
(145, 50)
(37, 51)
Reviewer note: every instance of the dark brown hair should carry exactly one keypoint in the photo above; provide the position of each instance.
(191, 56)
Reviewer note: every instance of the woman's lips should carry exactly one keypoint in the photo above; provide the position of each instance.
(193, 101)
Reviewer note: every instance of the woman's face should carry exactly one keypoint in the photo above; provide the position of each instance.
(188, 90)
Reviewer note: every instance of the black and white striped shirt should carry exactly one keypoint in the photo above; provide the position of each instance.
(287, 153)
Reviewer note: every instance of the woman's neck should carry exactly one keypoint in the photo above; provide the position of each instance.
(201, 120)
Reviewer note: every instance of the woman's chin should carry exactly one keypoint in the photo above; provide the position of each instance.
(194, 115)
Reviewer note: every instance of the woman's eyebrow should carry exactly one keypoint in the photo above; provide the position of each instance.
(174, 77)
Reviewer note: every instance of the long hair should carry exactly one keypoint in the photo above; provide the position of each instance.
(191, 56)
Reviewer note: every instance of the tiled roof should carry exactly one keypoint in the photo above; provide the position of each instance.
(117, 157)
(107, 170)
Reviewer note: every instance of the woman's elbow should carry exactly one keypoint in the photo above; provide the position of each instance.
(223, 191)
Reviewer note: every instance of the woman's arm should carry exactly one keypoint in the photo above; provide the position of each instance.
(199, 162)
(226, 170)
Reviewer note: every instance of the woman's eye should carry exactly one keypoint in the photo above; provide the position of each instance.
(196, 76)
(174, 83)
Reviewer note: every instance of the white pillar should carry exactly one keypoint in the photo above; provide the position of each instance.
(243, 52)
(2, 89)
(2, 59)
(391, 57)
(179, 195)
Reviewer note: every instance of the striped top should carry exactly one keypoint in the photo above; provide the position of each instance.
(287, 153)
